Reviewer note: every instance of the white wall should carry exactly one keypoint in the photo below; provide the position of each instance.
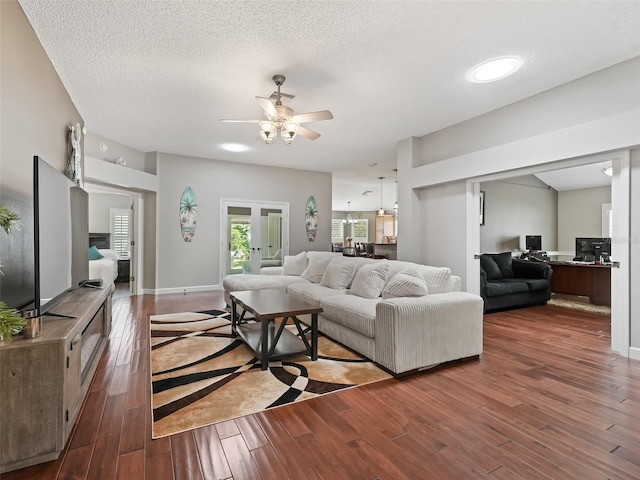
(516, 207)
(196, 264)
(580, 215)
(602, 94)
(35, 116)
(133, 158)
(634, 252)
(100, 205)
(443, 243)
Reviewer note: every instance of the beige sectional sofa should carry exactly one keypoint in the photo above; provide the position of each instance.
(403, 316)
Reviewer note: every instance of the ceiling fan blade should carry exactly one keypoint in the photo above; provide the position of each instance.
(268, 107)
(306, 133)
(313, 116)
(230, 120)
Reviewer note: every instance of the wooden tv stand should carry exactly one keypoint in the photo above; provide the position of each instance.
(44, 380)
(589, 280)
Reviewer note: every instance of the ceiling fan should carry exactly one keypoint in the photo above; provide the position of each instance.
(281, 120)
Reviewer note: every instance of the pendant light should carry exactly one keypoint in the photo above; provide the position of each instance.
(395, 207)
(381, 211)
(349, 218)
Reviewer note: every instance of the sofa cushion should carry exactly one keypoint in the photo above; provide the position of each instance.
(534, 284)
(496, 289)
(317, 264)
(312, 293)
(504, 263)
(408, 283)
(491, 268)
(370, 280)
(351, 311)
(235, 283)
(295, 265)
(338, 274)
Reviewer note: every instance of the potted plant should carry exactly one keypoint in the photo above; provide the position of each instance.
(11, 322)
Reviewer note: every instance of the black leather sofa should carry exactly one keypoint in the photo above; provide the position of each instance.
(507, 282)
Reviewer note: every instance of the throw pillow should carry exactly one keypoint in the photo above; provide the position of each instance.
(94, 254)
(370, 280)
(407, 283)
(338, 275)
(488, 264)
(504, 263)
(438, 279)
(294, 265)
(316, 266)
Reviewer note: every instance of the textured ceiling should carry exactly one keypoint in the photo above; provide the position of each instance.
(158, 75)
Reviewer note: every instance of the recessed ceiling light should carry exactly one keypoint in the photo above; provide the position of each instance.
(234, 147)
(367, 192)
(494, 69)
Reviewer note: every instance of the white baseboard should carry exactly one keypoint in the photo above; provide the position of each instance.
(163, 291)
(634, 352)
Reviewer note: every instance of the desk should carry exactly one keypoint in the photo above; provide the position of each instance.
(593, 281)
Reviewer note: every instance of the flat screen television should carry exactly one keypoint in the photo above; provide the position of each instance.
(17, 250)
(533, 242)
(590, 248)
(61, 235)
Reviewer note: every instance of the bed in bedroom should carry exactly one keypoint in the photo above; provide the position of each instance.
(103, 262)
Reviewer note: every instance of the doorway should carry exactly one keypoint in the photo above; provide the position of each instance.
(620, 200)
(119, 213)
(254, 234)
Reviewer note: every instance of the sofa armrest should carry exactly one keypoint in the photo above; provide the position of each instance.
(483, 279)
(525, 269)
(418, 332)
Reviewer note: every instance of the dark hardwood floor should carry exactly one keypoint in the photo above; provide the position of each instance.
(547, 399)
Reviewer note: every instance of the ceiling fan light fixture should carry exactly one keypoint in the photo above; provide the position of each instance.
(281, 120)
(288, 132)
(268, 131)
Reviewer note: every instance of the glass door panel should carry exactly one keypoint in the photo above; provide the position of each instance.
(271, 237)
(256, 234)
(239, 240)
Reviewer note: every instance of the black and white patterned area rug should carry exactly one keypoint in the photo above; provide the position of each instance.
(202, 374)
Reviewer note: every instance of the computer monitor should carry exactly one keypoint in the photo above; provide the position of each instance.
(593, 248)
(533, 242)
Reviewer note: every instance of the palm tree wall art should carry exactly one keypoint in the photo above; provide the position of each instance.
(188, 214)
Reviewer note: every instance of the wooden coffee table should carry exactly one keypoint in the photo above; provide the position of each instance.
(265, 335)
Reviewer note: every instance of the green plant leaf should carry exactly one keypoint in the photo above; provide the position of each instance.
(8, 219)
(11, 322)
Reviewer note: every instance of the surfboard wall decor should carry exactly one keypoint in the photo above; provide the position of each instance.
(188, 214)
(311, 219)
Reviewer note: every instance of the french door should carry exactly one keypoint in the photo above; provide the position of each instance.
(254, 234)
